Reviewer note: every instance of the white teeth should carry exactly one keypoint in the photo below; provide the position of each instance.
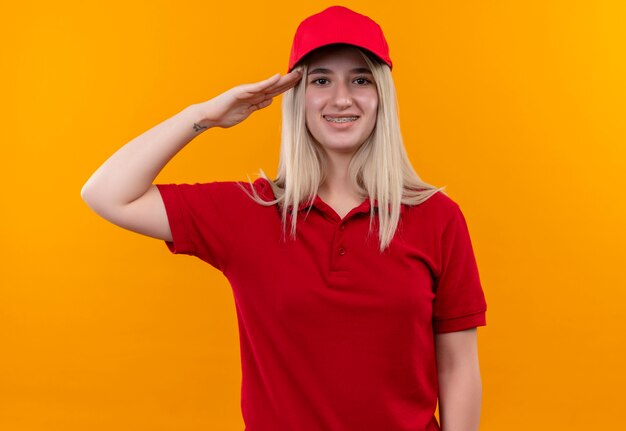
(341, 120)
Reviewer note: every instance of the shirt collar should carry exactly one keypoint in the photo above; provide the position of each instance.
(363, 207)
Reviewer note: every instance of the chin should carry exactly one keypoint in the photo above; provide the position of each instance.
(346, 148)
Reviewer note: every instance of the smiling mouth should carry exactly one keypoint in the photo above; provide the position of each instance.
(340, 119)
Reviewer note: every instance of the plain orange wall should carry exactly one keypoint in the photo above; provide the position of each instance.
(518, 107)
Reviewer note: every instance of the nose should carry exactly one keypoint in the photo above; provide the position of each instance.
(342, 97)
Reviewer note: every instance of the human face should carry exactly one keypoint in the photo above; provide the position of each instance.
(340, 85)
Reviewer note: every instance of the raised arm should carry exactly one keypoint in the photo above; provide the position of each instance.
(121, 190)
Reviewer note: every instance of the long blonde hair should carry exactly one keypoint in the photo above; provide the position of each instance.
(380, 169)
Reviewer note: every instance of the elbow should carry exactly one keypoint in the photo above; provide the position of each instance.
(83, 193)
(86, 194)
(90, 196)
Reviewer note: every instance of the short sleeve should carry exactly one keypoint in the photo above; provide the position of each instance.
(459, 301)
(202, 220)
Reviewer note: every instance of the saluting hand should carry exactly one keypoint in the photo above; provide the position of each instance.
(236, 104)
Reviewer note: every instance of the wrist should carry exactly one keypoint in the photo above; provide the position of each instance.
(199, 117)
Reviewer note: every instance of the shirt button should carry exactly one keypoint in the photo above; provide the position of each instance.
(342, 227)
(342, 251)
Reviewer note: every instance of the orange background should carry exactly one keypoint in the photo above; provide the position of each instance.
(517, 106)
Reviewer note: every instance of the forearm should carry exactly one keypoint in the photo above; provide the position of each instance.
(460, 399)
(130, 171)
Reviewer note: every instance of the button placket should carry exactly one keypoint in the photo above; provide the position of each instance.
(339, 249)
(342, 249)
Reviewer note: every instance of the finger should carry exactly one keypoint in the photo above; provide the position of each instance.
(283, 85)
(289, 79)
(261, 85)
(270, 87)
(265, 103)
(293, 76)
(281, 89)
(278, 91)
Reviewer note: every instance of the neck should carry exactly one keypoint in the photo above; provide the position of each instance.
(337, 182)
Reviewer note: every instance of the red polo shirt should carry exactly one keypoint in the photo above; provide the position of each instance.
(334, 336)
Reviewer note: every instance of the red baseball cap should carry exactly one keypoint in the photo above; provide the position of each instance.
(338, 24)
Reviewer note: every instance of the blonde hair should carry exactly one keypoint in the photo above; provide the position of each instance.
(380, 169)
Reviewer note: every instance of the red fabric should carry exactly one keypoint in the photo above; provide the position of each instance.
(338, 24)
(334, 336)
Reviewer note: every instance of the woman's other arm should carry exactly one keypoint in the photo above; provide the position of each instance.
(460, 386)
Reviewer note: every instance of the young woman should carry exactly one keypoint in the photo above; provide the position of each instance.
(365, 315)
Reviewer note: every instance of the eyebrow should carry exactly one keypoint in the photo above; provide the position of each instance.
(321, 70)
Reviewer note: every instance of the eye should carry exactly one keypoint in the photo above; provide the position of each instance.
(364, 79)
(315, 81)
